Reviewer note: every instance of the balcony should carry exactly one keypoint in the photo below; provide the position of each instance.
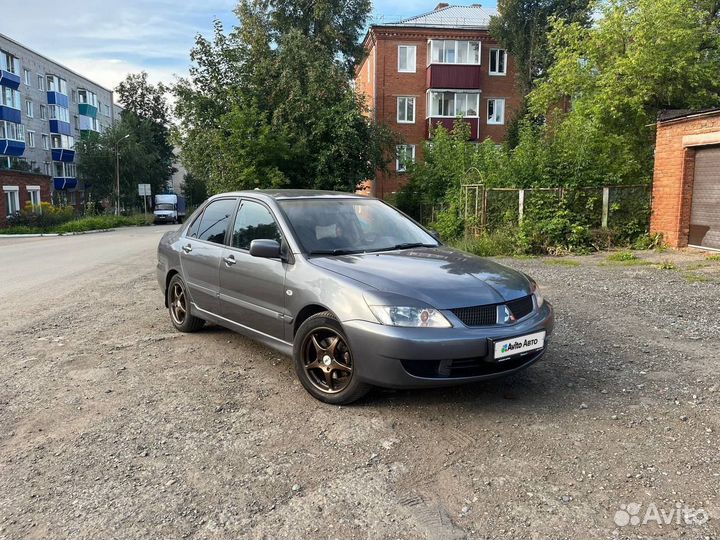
(86, 109)
(453, 76)
(448, 124)
(9, 79)
(60, 126)
(11, 114)
(56, 98)
(11, 147)
(63, 154)
(64, 182)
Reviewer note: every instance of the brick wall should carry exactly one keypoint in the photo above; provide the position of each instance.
(676, 143)
(21, 180)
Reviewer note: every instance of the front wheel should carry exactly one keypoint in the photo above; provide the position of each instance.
(179, 307)
(324, 362)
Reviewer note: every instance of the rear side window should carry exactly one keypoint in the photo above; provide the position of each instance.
(214, 222)
(253, 222)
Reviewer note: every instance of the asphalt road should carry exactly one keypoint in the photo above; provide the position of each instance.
(114, 425)
(35, 269)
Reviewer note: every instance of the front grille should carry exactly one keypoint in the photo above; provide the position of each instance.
(521, 306)
(476, 315)
(487, 315)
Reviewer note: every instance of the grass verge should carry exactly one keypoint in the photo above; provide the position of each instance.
(83, 224)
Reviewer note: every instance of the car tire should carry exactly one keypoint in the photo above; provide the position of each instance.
(178, 304)
(324, 362)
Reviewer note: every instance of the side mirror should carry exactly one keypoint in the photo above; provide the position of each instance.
(267, 249)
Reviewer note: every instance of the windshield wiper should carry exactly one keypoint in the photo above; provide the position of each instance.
(406, 245)
(335, 251)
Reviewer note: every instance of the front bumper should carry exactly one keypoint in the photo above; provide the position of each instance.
(395, 357)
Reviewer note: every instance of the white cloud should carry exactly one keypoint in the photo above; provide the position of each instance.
(106, 40)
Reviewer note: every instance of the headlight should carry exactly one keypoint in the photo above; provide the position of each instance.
(414, 317)
(539, 300)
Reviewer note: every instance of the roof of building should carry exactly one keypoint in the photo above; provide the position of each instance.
(679, 114)
(450, 16)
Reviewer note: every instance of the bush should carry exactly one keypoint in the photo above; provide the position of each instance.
(489, 244)
(83, 224)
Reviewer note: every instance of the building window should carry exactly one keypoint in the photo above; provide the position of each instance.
(405, 154)
(73, 198)
(41, 82)
(406, 110)
(107, 110)
(34, 197)
(10, 97)
(406, 58)
(10, 63)
(56, 84)
(26, 76)
(65, 142)
(452, 104)
(12, 131)
(59, 113)
(29, 110)
(12, 199)
(43, 112)
(447, 51)
(30, 139)
(496, 111)
(498, 62)
(76, 121)
(47, 167)
(45, 141)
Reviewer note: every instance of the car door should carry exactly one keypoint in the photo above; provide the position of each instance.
(202, 251)
(252, 289)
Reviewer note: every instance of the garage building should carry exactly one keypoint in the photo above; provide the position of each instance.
(686, 182)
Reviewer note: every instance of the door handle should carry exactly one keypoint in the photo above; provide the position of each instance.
(230, 260)
(187, 248)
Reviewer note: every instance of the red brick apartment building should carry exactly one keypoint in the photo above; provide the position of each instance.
(429, 69)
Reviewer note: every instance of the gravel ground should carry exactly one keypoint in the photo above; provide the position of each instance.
(112, 425)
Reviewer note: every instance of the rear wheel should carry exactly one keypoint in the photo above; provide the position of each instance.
(324, 362)
(179, 307)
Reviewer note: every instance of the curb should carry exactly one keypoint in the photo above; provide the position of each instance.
(41, 235)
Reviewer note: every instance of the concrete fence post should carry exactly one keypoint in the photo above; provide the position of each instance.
(605, 207)
(521, 205)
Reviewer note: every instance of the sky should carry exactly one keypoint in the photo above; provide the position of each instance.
(105, 40)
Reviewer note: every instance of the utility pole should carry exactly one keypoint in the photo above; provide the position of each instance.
(117, 174)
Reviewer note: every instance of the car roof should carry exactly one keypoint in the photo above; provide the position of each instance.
(283, 194)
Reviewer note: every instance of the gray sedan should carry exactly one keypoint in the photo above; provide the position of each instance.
(358, 293)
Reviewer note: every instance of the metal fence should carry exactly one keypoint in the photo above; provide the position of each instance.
(489, 209)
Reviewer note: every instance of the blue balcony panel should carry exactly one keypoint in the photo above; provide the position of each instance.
(63, 154)
(56, 98)
(9, 79)
(64, 182)
(10, 114)
(10, 147)
(58, 126)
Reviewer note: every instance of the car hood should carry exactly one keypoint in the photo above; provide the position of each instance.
(441, 277)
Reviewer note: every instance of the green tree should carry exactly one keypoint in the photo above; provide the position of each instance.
(146, 114)
(522, 27)
(641, 56)
(273, 102)
(140, 162)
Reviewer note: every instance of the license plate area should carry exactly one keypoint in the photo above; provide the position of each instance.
(505, 349)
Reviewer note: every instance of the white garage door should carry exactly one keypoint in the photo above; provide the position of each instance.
(705, 213)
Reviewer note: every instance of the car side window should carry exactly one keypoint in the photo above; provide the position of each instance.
(215, 220)
(253, 222)
(194, 227)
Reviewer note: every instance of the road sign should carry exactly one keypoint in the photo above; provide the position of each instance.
(144, 190)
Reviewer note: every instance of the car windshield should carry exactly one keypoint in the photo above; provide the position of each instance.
(164, 206)
(341, 226)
